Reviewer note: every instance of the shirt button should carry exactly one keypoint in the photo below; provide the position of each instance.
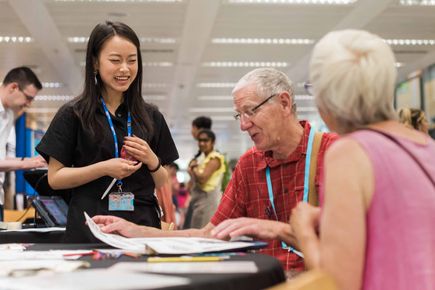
(119, 115)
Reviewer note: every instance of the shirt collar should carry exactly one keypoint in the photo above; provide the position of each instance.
(266, 158)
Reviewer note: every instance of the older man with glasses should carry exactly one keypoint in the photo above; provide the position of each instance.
(17, 92)
(269, 179)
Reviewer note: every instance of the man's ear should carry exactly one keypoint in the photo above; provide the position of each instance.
(286, 101)
(12, 86)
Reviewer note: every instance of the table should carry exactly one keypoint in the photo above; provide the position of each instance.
(31, 237)
(269, 273)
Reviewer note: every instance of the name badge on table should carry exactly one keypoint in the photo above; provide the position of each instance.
(121, 201)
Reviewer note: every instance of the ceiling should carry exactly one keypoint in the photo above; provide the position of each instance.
(189, 46)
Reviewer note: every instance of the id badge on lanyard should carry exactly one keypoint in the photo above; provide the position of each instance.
(119, 201)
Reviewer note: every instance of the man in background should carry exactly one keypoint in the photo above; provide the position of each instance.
(17, 92)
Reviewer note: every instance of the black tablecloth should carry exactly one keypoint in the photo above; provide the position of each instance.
(31, 237)
(269, 270)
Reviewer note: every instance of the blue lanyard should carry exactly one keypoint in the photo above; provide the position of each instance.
(112, 129)
(306, 183)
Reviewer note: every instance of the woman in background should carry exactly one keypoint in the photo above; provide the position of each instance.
(377, 223)
(109, 133)
(207, 179)
(414, 118)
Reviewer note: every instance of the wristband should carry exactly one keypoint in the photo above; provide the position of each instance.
(157, 167)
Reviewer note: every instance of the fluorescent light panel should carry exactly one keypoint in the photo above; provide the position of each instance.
(16, 39)
(305, 2)
(123, 1)
(161, 40)
(413, 42)
(154, 97)
(278, 41)
(53, 98)
(417, 2)
(245, 64)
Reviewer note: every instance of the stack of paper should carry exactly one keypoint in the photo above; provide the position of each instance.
(166, 245)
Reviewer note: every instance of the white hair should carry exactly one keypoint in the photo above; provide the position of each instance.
(353, 75)
(268, 81)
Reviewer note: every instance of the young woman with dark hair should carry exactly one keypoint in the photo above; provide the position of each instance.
(109, 132)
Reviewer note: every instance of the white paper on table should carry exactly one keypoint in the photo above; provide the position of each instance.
(221, 267)
(189, 245)
(113, 240)
(37, 230)
(165, 245)
(21, 267)
(12, 246)
(98, 279)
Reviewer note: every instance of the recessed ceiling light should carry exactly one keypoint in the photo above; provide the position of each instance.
(303, 97)
(245, 64)
(297, 2)
(158, 64)
(52, 85)
(272, 41)
(54, 98)
(154, 85)
(411, 42)
(16, 39)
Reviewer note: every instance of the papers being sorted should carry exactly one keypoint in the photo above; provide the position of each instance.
(167, 245)
(113, 240)
(190, 268)
(93, 279)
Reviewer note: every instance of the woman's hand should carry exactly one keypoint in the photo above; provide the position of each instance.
(305, 220)
(120, 168)
(141, 151)
(116, 225)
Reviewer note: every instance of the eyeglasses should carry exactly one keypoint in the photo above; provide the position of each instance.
(250, 112)
(28, 97)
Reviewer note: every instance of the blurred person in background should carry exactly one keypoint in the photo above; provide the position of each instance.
(207, 180)
(414, 118)
(377, 223)
(18, 90)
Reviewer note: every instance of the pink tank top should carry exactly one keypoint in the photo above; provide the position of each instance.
(400, 248)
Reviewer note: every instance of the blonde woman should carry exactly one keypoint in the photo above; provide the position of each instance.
(414, 118)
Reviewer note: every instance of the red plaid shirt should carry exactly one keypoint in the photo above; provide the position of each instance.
(247, 196)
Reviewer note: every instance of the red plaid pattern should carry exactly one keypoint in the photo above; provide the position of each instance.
(247, 196)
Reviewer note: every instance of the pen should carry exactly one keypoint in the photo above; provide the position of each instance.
(108, 188)
(184, 259)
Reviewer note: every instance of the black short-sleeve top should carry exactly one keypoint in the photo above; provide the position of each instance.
(70, 143)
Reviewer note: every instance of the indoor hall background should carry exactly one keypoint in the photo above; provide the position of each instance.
(195, 50)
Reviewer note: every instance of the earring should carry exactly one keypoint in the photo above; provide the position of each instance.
(95, 77)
